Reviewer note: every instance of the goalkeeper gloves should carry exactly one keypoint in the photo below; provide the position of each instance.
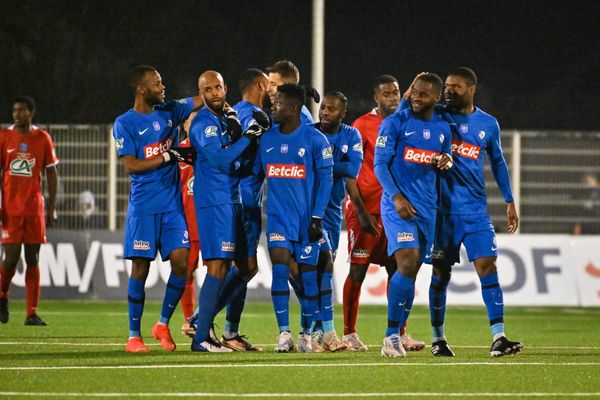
(180, 154)
(234, 128)
(315, 230)
(261, 119)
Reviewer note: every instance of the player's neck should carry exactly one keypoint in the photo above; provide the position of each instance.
(23, 129)
(142, 106)
(468, 109)
(219, 113)
(252, 98)
(289, 126)
(382, 113)
(333, 129)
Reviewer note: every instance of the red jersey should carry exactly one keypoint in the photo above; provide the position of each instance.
(368, 184)
(186, 173)
(23, 158)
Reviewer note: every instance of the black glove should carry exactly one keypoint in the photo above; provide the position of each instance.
(180, 154)
(234, 128)
(254, 132)
(262, 119)
(313, 93)
(315, 230)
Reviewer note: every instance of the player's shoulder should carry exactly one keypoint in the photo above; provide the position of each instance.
(395, 120)
(370, 117)
(43, 134)
(126, 117)
(486, 119)
(349, 132)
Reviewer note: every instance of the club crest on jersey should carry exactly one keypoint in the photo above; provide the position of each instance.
(358, 147)
(228, 246)
(345, 148)
(119, 143)
(442, 138)
(21, 166)
(381, 140)
(170, 123)
(190, 186)
(141, 245)
(5, 234)
(327, 153)
(23, 147)
(284, 148)
(210, 131)
(481, 134)
(276, 237)
(426, 134)
(405, 237)
(464, 128)
(156, 126)
(301, 151)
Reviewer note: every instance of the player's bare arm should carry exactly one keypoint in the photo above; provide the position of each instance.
(52, 179)
(367, 221)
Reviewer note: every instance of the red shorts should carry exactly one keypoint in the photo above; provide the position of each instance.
(28, 230)
(364, 247)
(194, 256)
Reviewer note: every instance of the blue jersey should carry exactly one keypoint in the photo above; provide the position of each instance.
(405, 151)
(147, 135)
(250, 190)
(306, 116)
(463, 187)
(346, 147)
(292, 164)
(217, 162)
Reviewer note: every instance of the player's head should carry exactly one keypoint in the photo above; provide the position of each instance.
(147, 84)
(426, 92)
(213, 90)
(23, 110)
(386, 93)
(253, 83)
(460, 88)
(332, 110)
(281, 72)
(288, 103)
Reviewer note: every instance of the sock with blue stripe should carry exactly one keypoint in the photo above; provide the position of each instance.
(280, 295)
(494, 302)
(173, 293)
(311, 295)
(234, 313)
(399, 291)
(207, 306)
(135, 300)
(437, 307)
(326, 303)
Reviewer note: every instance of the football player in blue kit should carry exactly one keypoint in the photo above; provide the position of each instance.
(297, 162)
(213, 134)
(346, 147)
(284, 71)
(411, 146)
(463, 217)
(145, 137)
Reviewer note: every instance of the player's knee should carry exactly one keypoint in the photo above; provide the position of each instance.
(325, 262)
(443, 273)
(358, 272)
(485, 266)
(140, 269)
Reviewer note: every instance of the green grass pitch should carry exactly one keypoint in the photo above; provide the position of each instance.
(80, 354)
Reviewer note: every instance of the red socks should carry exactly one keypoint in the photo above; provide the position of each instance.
(187, 299)
(351, 299)
(32, 289)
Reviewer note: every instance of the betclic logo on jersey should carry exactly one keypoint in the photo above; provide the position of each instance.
(289, 171)
(465, 149)
(155, 149)
(420, 156)
(21, 166)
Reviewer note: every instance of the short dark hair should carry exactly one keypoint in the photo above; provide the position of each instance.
(136, 76)
(247, 78)
(341, 96)
(466, 73)
(286, 69)
(27, 100)
(383, 79)
(294, 92)
(434, 79)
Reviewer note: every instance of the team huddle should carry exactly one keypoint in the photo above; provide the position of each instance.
(408, 176)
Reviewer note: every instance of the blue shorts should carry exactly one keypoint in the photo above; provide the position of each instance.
(146, 234)
(253, 227)
(409, 234)
(475, 231)
(333, 236)
(221, 230)
(303, 253)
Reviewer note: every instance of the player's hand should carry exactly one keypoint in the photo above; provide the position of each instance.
(443, 161)
(180, 154)
(312, 93)
(408, 92)
(513, 218)
(234, 127)
(51, 216)
(262, 119)
(315, 230)
(368, 223)
(403, 206)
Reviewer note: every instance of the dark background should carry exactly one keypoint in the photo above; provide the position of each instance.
(538, 62)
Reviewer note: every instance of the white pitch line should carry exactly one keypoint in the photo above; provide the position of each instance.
(301, 365)
(311, 395)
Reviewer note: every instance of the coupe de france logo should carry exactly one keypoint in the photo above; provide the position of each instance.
(156, 126)
(21, 167)
(327, 153)
(464, 128)
(119, 143)
(210, 131)
(426, 134)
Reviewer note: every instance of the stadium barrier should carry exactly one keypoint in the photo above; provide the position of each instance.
(534, 270)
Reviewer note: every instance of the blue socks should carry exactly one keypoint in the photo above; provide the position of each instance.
(280, 295)
(135, 299)
(326, 303)
(401, 294)
(310, 300)
(437, 307)
(234, 312)
(207, 306)
(173, 293)
(492, 297)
